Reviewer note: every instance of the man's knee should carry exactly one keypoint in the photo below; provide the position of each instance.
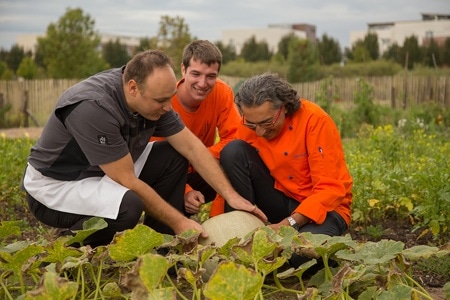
(130, 209)
(232, 149)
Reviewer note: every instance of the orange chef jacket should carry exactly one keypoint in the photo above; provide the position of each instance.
(307, 162)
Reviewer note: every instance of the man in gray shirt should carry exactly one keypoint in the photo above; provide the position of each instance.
(93, 157)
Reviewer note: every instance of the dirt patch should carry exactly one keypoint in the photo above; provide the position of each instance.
(28, 132)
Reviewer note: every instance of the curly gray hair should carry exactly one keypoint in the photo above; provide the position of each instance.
(268, 87)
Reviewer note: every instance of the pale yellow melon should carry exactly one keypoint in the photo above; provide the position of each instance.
(224, 227)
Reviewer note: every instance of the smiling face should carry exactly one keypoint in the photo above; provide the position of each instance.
(153, 99)
(265, 120)
(199, 80)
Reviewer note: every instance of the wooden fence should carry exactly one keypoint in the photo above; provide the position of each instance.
(36, 98)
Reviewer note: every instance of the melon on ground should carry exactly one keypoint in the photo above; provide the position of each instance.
(221, 229)
(224, 227)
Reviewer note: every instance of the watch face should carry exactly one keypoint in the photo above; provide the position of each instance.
(291, 221)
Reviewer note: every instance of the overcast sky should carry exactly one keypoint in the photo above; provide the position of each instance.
(208, 18)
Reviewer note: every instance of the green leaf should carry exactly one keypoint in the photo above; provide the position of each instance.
(111, 289)
(372, 253)
(9, 228)
(134, 242)
(15, 261)
(53, 287)
(370, 293)
(434, 227)
(232, 281)
(163, 294)
(262, 245)
(286, 235)
(14, 247)
(57, 253)
(399, 292)
(89, 227)
(334, 244)
(267, 266)
(152, 268)
(418, 252)
(298, 272)
(447, 290)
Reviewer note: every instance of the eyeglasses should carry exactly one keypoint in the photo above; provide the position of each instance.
(265, 124)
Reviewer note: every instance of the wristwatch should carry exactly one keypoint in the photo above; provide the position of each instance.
(293, 223)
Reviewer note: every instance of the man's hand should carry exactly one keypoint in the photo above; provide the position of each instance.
(239, 203)
(300, 219)
(192, 201)
(186, 224)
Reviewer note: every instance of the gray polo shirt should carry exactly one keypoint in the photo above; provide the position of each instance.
(91, 125)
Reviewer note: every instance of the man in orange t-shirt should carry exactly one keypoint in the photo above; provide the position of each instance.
(288, 160)
(206, 105)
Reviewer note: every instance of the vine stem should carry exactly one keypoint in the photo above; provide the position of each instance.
(174, 286)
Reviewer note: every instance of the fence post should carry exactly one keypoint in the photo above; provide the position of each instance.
(25, 108)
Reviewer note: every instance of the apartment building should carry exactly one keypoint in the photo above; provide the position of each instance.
(271, 35)
(29, 41)
(431, 26)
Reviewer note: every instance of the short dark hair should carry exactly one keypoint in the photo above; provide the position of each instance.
(268, 87)
(202, 50)
(143, 64)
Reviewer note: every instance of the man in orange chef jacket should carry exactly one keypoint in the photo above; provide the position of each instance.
(205, 104)
(288, 160)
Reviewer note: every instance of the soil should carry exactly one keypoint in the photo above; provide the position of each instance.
(397, 230)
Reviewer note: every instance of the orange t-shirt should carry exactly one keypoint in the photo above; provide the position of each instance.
(217, 112)
(307, 162)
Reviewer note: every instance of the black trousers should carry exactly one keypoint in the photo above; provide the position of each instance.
(251, 178)
(165, 171)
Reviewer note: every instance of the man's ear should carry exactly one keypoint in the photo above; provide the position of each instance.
(132, 87)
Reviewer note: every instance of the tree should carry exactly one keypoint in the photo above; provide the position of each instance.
(329, 50)
(146, 43)
(283, 45)
(411, 53)
(27, 68)
(432, 54)
(393, 53)
(254, 51)
(3, 67)
(172, 37)
(15, 56)
(371, 44)
(70, 47)
(303, 61)
(360, 53)
(446, 53)
(228, 52)
(115, 53)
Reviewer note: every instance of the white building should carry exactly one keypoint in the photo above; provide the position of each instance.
(432, 26)
(29, 41)
(271, 35)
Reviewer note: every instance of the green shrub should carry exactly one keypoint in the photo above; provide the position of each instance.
(241, 68)
(402, 175)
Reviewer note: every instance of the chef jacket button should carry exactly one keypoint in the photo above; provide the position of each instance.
(291, 177)
(290, 127)
(285, 153)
